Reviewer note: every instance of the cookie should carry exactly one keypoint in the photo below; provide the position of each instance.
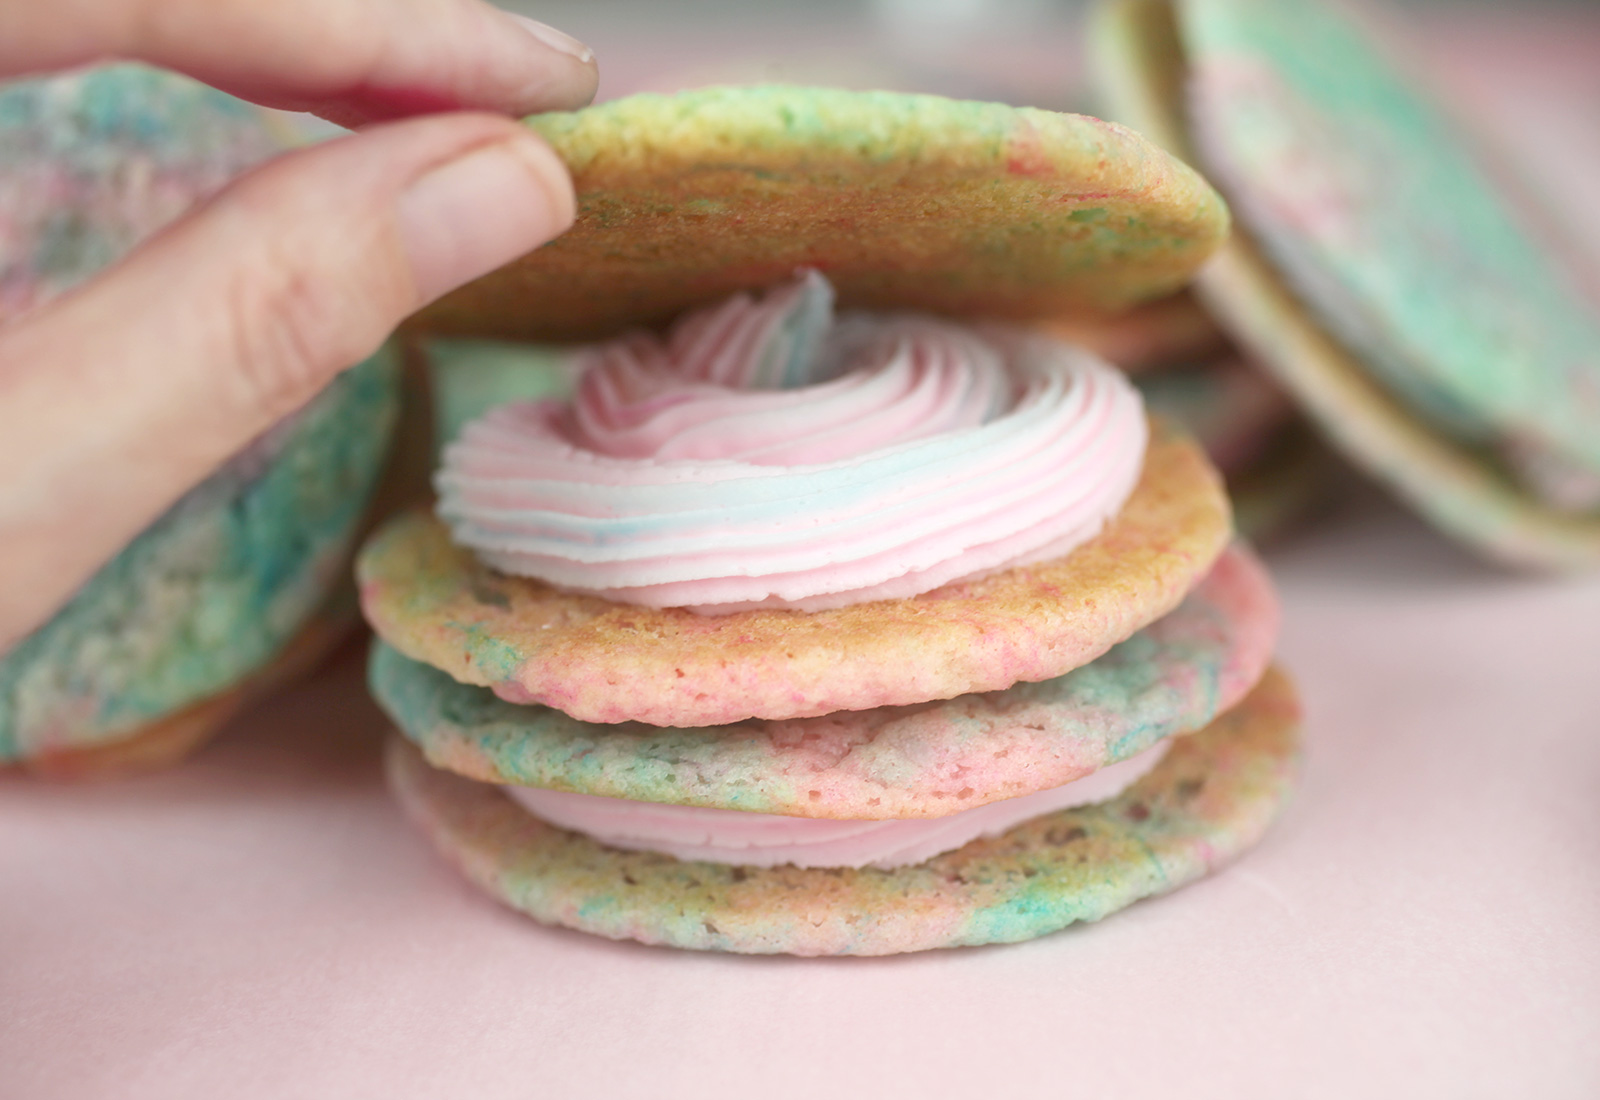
(1463, 439)
(214, 591)
(903, 201)
(236, 583)
(1173, 676)
(805, 482)
(1210, 798)
(605, 662)
(94, 161)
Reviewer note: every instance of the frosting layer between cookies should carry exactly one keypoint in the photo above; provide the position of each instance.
(763, 454)
(772, 840)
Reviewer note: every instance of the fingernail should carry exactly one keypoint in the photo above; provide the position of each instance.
(556, 40)
(482, 210)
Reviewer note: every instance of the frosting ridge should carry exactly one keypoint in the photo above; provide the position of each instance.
(766, 454)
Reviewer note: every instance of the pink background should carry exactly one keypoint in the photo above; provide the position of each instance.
(1424, 922)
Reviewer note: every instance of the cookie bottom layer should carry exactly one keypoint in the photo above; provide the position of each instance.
(1210, 799)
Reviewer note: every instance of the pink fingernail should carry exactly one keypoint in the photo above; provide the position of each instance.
(556, 40)
(480, 211)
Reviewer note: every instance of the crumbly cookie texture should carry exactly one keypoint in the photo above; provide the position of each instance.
(1172, 677)
(903, 201)
(214, 591)
(607, 662)
(1212, 797)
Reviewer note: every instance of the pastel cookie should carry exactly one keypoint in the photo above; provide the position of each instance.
(1173, 676)
(1210, 798)
(903, 201)
(1368, 202)
(605, 662)
(1387, 284)
(212, 593)
(95, 161)
(237, 584)
(696, 583)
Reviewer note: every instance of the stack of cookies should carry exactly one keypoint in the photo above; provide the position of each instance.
(845, 615)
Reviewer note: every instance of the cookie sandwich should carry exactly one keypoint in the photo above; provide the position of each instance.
(835, 611)
(239, 583)
(1397, 288)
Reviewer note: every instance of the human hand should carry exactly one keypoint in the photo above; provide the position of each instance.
(119, 396)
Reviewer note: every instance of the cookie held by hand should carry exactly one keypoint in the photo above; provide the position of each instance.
(838, 617)
(242, 582)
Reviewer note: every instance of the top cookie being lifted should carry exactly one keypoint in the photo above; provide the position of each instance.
(903, 201)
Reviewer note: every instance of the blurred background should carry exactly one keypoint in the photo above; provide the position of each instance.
(1019, 50)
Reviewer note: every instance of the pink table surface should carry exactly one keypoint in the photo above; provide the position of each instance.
(1425, 922)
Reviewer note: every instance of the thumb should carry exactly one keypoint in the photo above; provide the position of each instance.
(117, 398)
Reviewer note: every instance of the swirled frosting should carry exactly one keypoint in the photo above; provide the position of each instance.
(766, 454)
(768, 840)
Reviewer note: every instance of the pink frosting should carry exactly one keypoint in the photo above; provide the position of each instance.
(767, 840)
(763, 454)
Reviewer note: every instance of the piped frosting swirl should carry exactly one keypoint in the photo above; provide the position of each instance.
(766, 454)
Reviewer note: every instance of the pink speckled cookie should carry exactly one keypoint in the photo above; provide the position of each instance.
(1173, 676)
(605, 662)
(1210, 798)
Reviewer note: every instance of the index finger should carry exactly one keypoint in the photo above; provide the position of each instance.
(350, 61)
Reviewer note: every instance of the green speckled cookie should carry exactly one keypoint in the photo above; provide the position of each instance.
(1369, 204)
(893, 762)
(236, 584)
(1451, 437)
(211, 593)
(1209, 799)
(606, 662)
(903, 201)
